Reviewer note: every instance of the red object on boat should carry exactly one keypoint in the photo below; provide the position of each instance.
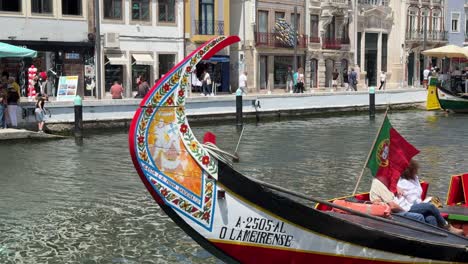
(209, 137)
(382, 210)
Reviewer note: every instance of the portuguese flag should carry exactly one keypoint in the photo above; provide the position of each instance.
(390, 156)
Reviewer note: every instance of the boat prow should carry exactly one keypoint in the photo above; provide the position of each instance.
(240, 220)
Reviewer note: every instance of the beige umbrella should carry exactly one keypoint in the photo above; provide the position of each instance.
(449, 51)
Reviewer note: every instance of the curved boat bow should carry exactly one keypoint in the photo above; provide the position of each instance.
(249, 223)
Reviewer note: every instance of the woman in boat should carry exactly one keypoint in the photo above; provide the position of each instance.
(409, 190)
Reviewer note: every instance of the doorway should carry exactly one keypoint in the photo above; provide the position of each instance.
(313, 73)
(371, 58)
(410, 68)
(263, 72)
(329, 65)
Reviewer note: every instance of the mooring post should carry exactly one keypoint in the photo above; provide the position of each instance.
(371, 101)
(77, 102)
(239, 121)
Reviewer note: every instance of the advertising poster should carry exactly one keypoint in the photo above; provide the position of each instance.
(67, 87)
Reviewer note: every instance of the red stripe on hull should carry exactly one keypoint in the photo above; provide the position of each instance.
(252, 254)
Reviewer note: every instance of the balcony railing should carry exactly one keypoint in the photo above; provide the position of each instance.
(432, 35)
(332, 43)
(314, 40)
(207, 27)
(274, 40)
(374, 2)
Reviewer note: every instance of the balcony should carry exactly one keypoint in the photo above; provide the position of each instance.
(273, 40)
(206, 27)
(314, 40)
(374, 2)
(334, 43)
(432, 35)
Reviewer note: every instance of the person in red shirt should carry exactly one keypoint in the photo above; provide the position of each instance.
(116, 90)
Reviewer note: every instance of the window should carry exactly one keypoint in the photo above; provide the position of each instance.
(10, 5)
(435, 21)
(166, 62)
(293, 21)
(314, 24)
(262, 36)
(206, 16)
(166, 11)
(140, 10)
(72, 7)
(455, 22)
(112, 9)
(279, 15)
(41, 6)
(263, 21)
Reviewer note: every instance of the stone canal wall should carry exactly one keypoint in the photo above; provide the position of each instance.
(118, 113)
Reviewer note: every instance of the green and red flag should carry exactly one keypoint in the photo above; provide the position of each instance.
(390, 156)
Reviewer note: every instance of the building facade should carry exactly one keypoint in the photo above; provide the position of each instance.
(329, 46)
(456, 21)
(139, 38)
(57, 29)
(205, 19)
(425, 28)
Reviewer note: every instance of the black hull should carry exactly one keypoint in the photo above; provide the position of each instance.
(366, 233)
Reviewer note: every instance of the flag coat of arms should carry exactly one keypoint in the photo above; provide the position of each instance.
(390, 156)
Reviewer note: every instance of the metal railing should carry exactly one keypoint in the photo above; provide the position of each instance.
(432, 35)
(274, 40)
(209, 27)
(331, 43)
(374, 2)
(314, 40)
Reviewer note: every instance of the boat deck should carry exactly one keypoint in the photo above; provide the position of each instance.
(445, 238)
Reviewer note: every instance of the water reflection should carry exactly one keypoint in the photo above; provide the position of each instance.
(67, 202)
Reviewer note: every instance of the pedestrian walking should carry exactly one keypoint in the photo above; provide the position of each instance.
(345, 79)
(289, 80)
(143, 87)
(426, 74)
(3, 107)
(39, 113)
(243, 83)
(353, 79)
(295, 77)
(196, 83)
(12, 105)
(300, 80)
(383, 77)
(116, 90)
(335, 76)
(206, 84)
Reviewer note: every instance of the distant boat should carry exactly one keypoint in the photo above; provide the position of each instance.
(240, 219)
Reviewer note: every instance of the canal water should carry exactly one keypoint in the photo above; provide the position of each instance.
(62, 202)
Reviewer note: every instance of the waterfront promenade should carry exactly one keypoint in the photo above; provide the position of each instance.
(118, 113)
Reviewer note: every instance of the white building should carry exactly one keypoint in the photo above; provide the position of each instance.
(57, 29)
(139, 37)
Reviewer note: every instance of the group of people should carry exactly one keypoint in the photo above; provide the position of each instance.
(142, 85)
(201, 82)
(407, 202)
(9, 98)
(457, 78)
(295, 80)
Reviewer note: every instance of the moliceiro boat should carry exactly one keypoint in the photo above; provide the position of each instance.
(242, 220)
(456, 102)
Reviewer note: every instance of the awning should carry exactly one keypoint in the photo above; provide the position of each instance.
(143, 59)
(117, 59)
(11, 51)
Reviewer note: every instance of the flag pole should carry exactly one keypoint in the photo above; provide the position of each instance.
(370, 153)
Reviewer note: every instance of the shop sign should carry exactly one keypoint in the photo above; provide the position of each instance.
(67, 88)
(72, 56)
